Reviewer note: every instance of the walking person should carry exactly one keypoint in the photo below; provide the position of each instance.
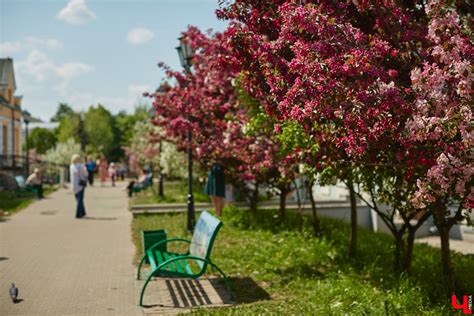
(78, 183)
(90, 166)
(121, 170)
(215, 187)
(112, 173)
(102, 166)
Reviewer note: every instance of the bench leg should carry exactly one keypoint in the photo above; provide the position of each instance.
(140, 266)
(227, 283)
(144, 287)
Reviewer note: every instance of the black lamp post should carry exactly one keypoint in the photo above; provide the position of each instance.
(27, 148)
(161, 89)
(186, 54)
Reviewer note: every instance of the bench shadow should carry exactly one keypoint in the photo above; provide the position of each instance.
(3, 258)
(189, 293)
(100, 218)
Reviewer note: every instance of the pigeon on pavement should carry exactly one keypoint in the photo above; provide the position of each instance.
(14, 293)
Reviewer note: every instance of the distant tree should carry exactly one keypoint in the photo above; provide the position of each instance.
(69, 128)
(72, 127)
(146, 153)
(98, 127)
(63, 152)
(41, 139)
(173, 162)
(124, 123)
(123, 129)
(64, 110)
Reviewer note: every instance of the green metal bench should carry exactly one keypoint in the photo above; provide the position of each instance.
(148, 183)
(22, 187)
(168, 264)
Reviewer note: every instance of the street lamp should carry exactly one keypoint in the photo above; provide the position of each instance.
(161, 90)
(186, 54)
(27, 167)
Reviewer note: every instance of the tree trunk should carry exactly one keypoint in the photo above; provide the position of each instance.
(161, 190)
(300, 209)
(409, 251)
(439, 215)
(316, 225)
(421, 218)
(353, 234)
(282, 210)
(254, 199)
(446, 260)
(399, 249)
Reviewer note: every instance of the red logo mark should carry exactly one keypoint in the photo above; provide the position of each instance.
(466, 305)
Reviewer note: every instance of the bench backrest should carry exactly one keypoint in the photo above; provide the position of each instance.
(20, 181)
(148, 180)
(205, 232)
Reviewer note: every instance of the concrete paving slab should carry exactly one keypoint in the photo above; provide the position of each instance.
(462, 246)
(171, 296)
(66, 266)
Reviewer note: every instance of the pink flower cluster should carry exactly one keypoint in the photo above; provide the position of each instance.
(442, 121)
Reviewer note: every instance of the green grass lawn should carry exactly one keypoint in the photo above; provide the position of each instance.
(175, 192)
(13, 201)
(304, 274)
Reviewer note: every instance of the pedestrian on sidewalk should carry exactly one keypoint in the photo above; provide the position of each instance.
(78, 175)
(90, 166)
(102, 166)
(215, 187)
(112, 173)
(121, 170)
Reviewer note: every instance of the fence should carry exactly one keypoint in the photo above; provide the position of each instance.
(15, 165)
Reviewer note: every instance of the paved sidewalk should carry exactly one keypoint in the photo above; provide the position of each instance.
(62, 265)
(462, 246)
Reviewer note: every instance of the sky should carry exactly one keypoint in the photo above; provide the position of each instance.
(85, 52)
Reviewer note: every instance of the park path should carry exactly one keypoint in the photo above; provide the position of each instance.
(62, 265)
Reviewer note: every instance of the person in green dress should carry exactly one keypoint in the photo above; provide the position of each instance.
(215, 187)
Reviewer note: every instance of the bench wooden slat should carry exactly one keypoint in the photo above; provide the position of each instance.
(162, 257)
(154, 261)
(173, 266)
(186, 269)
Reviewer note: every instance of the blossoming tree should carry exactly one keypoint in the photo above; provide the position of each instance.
(342, 70)
(443, 124)
(206, 102)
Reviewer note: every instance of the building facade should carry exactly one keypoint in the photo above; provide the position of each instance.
(11, 117)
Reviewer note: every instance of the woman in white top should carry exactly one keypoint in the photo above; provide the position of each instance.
(78, 183)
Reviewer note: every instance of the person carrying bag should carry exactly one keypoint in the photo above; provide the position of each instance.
(78, 183)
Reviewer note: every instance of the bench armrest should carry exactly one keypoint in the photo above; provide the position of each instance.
(167, 241)
(150, 250)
